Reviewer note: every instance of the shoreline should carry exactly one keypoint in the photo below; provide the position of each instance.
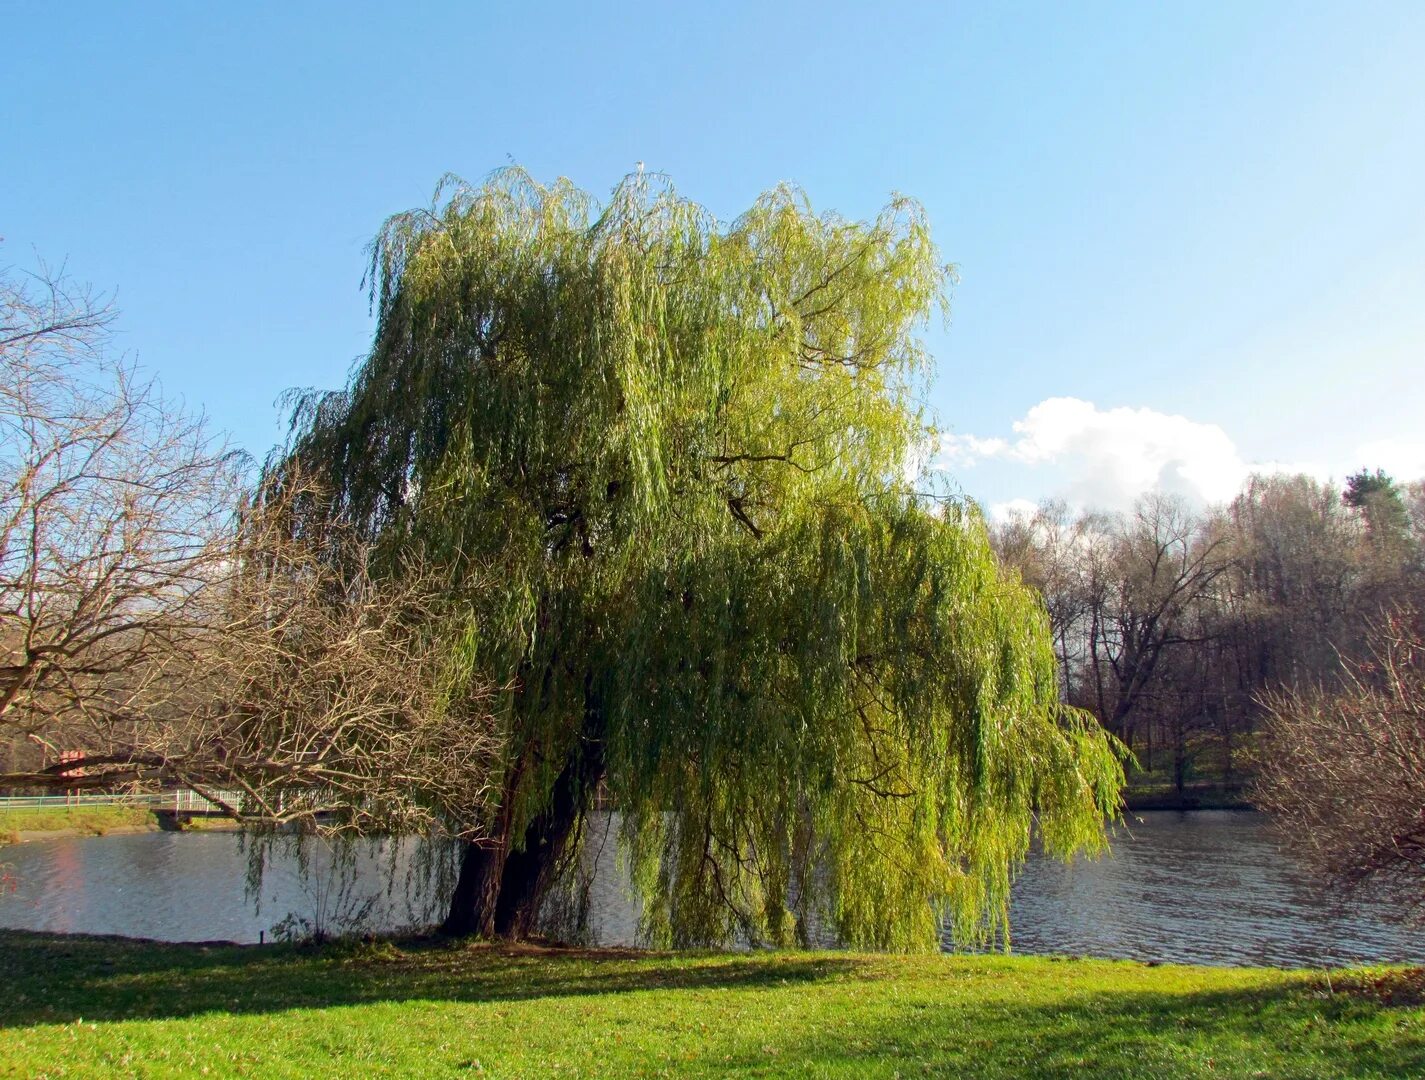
(431, 940)
(30, 836)
(1186, 802)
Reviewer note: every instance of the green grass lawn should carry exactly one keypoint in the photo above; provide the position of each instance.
(88, 1006)
(95, 820)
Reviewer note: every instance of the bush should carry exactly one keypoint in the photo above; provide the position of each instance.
(1344, 771)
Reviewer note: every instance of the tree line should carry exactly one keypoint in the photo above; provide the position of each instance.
(1180, 627)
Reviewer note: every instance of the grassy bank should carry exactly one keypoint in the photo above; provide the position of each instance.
(85, 820)
(16, 825)
(1193, 797)
(86, 1006)
(1207, 789)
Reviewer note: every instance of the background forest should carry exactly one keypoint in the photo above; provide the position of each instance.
(1176, 625)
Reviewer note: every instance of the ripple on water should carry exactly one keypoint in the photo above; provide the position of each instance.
(1208, 887)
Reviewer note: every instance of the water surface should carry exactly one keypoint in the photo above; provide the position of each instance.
(1204, 887)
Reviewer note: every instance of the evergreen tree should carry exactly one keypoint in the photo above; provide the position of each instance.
(1380, 502)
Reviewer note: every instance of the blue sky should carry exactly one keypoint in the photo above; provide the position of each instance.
(1190, 236)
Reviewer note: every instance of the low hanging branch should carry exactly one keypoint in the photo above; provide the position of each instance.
(330, 699)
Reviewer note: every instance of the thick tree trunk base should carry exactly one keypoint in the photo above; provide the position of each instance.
(531, 870)
(502, 886)
(499, 895)
(472, 905)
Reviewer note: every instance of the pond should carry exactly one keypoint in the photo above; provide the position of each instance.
(1207, 887)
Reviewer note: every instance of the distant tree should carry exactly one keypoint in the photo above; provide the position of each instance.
(1414, 497)
(1165, 561)
(1132, 604)
(1172, 625)
(661, 464)
(1363, 487)
(1057, 553)
(1382, 505)
(1390, 559)
(1294, 580)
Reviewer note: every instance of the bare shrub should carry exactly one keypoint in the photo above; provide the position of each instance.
(326, 698)
(1345, 770)
(304, 689)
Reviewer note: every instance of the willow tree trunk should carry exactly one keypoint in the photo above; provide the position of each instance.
(503, 882)
(532, 867)
(472, 905)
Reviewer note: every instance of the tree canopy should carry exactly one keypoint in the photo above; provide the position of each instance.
(666, 467)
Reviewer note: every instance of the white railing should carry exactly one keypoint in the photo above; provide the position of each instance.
(182, 800)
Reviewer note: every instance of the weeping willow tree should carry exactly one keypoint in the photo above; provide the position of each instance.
(664, 464)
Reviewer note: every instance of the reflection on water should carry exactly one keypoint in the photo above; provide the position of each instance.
(1206, 887)
(191, 887)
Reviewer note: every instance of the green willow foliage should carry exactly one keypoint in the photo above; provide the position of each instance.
(664, 463)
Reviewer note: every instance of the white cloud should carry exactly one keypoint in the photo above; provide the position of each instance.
(966, 449)
(1404, 459)
(1109, 457)
(1014, 508)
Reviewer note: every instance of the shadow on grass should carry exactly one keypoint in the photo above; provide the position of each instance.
(1138, 1035)
(54, 978)
(821, 1015)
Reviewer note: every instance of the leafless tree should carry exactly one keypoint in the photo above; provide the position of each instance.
(1165, 561)
(1131, 602)
(303, 688)
(325, 699)
(1344, 772)
(1295, 580)
(1055, 551)
(1415, 506)
(1173, 624)
(159, 627)
(114, 510)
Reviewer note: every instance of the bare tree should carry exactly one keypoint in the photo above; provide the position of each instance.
(1415, 506)
(115, 507)
(1295, 580)
(1171, 625)
(1165, 560)
(160, 627)
(1345, 769)
(1054, 550)
(1131, 603)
